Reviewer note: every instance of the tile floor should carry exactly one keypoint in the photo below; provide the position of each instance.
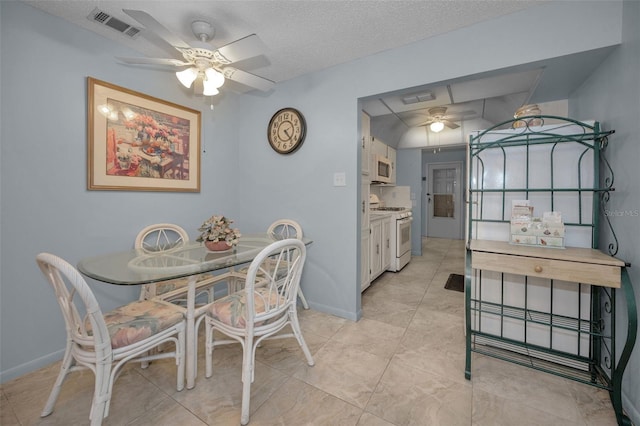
(401, 364)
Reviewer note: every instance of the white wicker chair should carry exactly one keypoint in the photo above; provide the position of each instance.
(104, 343)
(265, 306)
(285, 228)
(163, 237)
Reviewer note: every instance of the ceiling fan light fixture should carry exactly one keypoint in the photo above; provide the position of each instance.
(214, 78)
(436, 126)
(209, 89)
(187, 76)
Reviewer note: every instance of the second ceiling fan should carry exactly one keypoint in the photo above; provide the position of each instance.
(203, 66)
(438, 119)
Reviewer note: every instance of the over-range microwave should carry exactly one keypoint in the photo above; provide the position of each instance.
(382, 169)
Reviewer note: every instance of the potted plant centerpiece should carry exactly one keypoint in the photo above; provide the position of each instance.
(217, 234)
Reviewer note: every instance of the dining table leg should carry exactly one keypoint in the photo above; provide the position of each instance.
(191, 352)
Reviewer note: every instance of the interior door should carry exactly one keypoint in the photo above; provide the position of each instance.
(444, 200)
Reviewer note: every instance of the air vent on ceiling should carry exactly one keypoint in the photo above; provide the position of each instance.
(418, 97)
(104, 18)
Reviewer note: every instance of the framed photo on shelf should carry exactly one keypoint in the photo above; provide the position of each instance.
(140, 143)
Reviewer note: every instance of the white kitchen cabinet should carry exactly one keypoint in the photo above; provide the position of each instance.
(378, 147)
(386, 244)
(365, 280)
(380, 245)
(364, 233)
(375, 258)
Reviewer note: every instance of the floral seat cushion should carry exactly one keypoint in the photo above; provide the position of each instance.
(232, 309)
(138, 320)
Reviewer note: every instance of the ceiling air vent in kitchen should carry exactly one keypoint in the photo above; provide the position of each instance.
(418, 97)
(104, 18)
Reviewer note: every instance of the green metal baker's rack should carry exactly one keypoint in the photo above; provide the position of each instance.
(492, 154)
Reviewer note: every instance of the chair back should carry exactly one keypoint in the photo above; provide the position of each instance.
(67, 282)
(156, 238)
(273, 279)
(161, 237)
(285, 228)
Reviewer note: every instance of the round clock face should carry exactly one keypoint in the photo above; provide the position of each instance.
(286, 131)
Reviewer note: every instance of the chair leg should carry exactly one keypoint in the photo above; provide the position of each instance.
(302, 299)
(181, 358)
(65, 367)
(102, 393)
(295, 325)
(247, 377)
(195, 341)
(208, 338)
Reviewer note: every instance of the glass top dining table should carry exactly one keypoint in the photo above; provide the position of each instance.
(140, 266)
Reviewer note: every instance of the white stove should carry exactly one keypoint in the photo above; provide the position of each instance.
(401, 218)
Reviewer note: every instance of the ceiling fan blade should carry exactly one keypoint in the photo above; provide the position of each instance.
(248, 79)
(244, 48)
(153, 61)
(426, 123)
(151, 24)
(450, 124)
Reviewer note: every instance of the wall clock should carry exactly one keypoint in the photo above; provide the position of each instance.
(286, 130)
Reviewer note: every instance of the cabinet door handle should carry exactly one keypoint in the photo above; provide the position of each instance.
(387, 243)
(363, 142)
(377, 248)
(538, 268)
(362, 206)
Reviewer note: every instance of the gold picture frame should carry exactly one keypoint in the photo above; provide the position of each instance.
(140, 143)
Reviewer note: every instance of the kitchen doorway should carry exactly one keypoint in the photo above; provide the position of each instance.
(444, 200)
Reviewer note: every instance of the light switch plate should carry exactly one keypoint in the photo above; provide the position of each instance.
(339, 179)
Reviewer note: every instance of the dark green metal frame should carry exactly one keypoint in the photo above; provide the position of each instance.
(600, 367)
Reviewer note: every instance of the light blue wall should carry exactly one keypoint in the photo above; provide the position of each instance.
(612, 96)
(45, 205)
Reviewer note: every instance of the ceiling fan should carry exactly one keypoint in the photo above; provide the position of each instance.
(203, 66)
(438, 118)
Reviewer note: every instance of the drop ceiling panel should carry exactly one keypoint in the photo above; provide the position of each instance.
(499, 85)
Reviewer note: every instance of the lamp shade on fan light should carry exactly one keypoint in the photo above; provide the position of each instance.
(213, 80)
(187, 77)
(436, 126)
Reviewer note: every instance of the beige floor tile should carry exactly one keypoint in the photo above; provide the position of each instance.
(345, 371)
(594, 405)
(167, 413)
(298, 403)
(492, 410)
(387, 311)
(7, 416)
(370, 336)
(319, 323)
(409, 396)
(525, 386)
(217, 400)
(368, 419)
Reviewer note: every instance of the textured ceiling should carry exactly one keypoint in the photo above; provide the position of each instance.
(305, 36)
(301, 36)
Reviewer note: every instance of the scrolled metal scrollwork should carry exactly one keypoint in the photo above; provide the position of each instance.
(607, 362)
(608, 181)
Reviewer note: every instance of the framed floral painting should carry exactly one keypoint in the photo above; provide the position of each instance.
(140, 143)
